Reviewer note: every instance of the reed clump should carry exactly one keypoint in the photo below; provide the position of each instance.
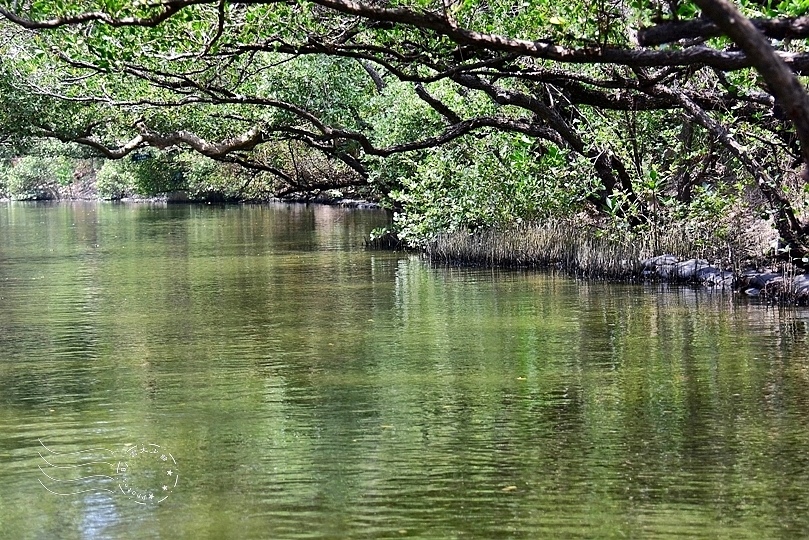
(593, 249)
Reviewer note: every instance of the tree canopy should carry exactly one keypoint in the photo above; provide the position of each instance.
(619, 105)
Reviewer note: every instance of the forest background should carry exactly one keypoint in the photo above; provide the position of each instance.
(639, 122)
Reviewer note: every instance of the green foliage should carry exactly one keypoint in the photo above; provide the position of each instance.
(711, 202)
(37, 177)
(156, 173)
(496, 181)
(210, 180)
(153, 174)
(4, 168)
(399, 116)
(115, 181)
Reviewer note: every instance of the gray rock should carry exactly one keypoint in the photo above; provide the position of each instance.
(665, 271)
(801, 282)
(707, 272)
(661, 260)
(711, 276)
(800, 287)
(755, 280)
(687, 270)
(725, 279)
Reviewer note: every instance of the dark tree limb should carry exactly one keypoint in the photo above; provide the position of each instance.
(440, 107)
(220, 27)
(671, 31)
(379, 82)
(788, 91)
(786, 221)
(444, 26)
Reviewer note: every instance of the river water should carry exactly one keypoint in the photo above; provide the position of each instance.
(253, 372)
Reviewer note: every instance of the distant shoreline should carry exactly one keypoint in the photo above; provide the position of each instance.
(345, 202)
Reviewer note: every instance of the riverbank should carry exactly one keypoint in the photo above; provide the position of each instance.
(741, 259)
(181, 197)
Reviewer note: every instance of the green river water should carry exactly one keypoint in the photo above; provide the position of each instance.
(253, 372)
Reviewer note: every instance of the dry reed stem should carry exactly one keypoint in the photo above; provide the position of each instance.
(582, 249)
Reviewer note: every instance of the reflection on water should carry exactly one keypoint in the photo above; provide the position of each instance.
(99, 513)
(311, 389)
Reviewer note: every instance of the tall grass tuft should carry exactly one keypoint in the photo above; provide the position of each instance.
(587, 249)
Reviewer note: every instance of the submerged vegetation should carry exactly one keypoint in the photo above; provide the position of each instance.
(497, 132)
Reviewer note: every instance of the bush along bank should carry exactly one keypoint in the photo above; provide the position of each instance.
(739, 260)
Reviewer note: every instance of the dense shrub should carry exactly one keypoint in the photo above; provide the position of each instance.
(114, 181)
(155, 172)
(37, 177)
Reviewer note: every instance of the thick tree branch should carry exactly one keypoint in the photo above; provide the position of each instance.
(245, 141)
(85, 139)
(668, 32)
(379, 82)
(783, 84)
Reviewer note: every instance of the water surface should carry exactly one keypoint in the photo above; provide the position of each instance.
(308, 388)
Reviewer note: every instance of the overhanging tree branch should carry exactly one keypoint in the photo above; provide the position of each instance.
(783, 84)
(446, 26)
(668, 32)
(163, 11)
